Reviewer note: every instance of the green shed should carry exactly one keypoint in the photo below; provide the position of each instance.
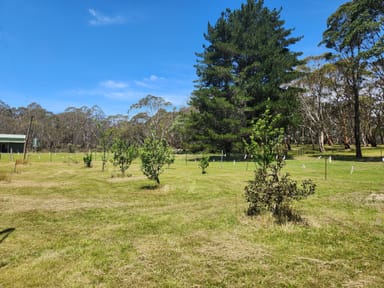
(12, 143)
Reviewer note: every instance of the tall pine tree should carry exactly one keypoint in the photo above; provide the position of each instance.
(246, 62)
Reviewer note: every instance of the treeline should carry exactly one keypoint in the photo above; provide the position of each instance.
(328, 104)
(83, 128)
(246, 66)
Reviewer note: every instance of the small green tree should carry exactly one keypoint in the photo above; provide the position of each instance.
(270, 190)
(105, 140)
(154, 155)
(123, 154)
(266, 139)
(204, 163)
(88, 160)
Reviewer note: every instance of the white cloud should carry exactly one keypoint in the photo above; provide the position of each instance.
(129, 92)
(156, 78)
(113, 84)
(141, 83)
(153, 78)
(99, 19)
(152, 82)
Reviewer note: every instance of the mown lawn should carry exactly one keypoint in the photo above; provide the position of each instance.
(79, 227)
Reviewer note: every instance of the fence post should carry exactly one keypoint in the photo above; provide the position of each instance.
(325, 168)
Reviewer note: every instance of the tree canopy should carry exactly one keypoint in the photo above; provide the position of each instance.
(336, 98)
(247, 61)
(356, 32)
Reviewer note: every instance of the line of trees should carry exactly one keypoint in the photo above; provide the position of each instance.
(247, 62)
(85, 128)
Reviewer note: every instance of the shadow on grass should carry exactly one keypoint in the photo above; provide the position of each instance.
(292, 217)
(151, 187)
(5, 233)
(351, 158)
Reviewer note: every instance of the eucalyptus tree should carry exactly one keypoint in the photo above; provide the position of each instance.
(41, 124)
(247, 60)
(342, 108)
(152, 109)
(315, 99)
(79, 126)
(6, 118)
(356, 32)
(372, 111)
(378, 93)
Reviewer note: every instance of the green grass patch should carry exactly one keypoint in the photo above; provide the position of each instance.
(78, 227)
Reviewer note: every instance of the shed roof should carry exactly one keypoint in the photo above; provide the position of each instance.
(12, 138)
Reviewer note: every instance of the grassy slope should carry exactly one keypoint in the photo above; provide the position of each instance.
(78, 227)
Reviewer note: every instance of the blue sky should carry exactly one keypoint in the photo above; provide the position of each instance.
(113, 53)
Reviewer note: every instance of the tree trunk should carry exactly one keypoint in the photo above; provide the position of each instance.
(288, 143)
(321, 141)
(329, 139)
(371, 137)
(357, 122)
(313, 142)
(27, 140)
(345, 133)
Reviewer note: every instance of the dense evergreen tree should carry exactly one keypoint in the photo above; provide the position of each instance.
(246, 62)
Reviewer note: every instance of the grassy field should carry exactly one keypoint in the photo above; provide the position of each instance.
(79, 227)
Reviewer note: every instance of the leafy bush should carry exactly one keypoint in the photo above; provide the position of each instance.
(270, 190)
(170, 160)
(204, 163)
(123, 154)
(155, 153)
(88, 160)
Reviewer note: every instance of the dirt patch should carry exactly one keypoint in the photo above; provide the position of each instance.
(375, 197)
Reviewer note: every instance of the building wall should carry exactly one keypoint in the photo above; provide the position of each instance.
(12, 143)
(11, 147)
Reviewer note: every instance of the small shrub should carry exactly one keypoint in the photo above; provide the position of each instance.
(123, 154)
(270, 190)
(203, 164)
(154, 155)
(88, 160)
